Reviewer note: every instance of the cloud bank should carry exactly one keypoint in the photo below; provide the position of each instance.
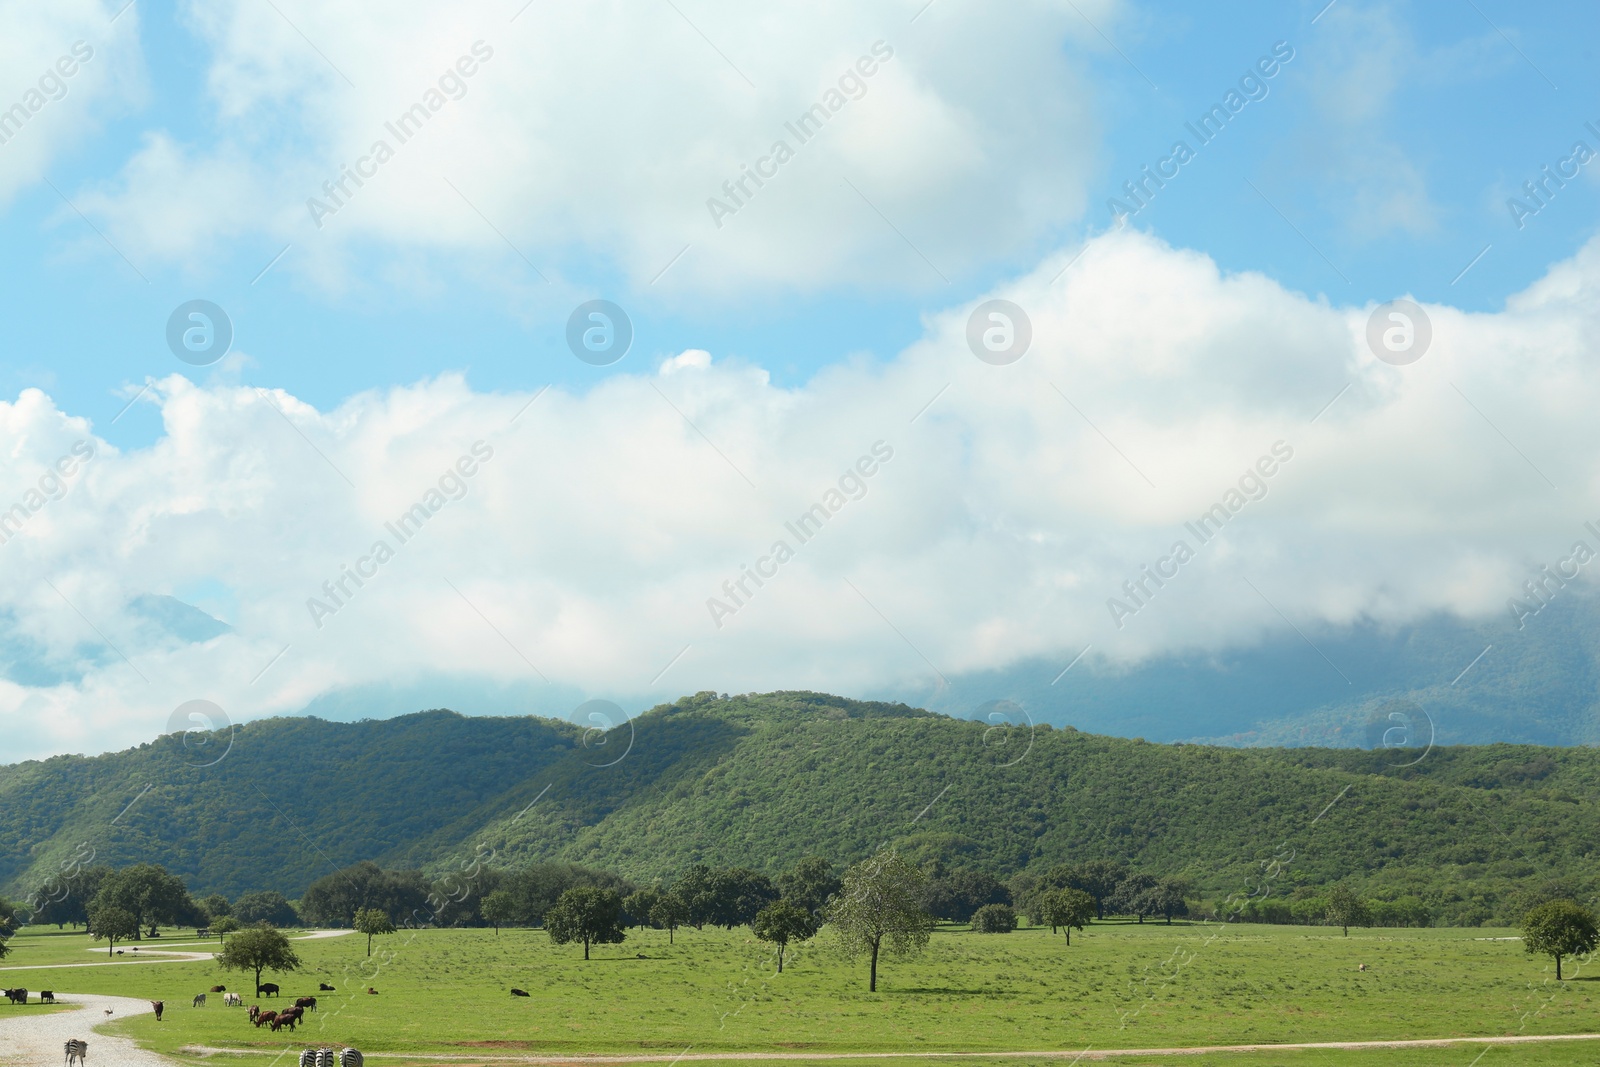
(575, 542)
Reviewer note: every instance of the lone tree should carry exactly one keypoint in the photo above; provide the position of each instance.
(880, 905)
(372, 922)
(1560, 928)
(669, 912)
(112, 923)
(498, 909)
(593, 916)
(225, 925)
(1068, 908)
(260, 948)
(782, 923)
(1346, 910)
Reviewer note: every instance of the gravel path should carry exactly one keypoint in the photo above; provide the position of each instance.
(39, 1040)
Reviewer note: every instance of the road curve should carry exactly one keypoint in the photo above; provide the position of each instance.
(30, 1040)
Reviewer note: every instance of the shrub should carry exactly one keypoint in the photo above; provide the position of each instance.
(994, 919)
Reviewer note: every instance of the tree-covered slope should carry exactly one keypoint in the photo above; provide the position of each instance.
(292, 798)
(764, 780)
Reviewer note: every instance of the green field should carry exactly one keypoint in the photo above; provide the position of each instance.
(1118, 986)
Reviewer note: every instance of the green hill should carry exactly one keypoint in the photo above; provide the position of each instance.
(763, 780)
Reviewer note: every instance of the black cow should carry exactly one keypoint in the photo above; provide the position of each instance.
(266, 989)
(519, 993)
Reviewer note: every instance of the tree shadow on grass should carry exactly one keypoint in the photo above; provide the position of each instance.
(947, 991)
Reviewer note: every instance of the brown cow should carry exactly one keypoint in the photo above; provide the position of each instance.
(374, 992)
(309, 1003)
(159, 1006)
(218, 989)
(264, 1017)
(255, 1012)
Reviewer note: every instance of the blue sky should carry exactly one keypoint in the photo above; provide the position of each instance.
(1390, 142)
(1369, 153)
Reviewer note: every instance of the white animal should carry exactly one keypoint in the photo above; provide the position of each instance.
(232, 1000)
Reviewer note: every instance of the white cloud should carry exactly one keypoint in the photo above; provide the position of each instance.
(594, 536)
(65, 63)
(596, 130)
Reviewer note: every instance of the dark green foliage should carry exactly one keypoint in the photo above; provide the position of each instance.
(1560, 928)
(335, 900)
(265, 906)
(146, 891)
(534, 890)
(956, 896)
(587, 914)
(994, 919)
(809, 884)
(216, 906)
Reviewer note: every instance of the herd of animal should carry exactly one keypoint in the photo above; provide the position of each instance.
(77, 1050)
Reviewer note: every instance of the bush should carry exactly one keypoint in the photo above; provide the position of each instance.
(994, 919)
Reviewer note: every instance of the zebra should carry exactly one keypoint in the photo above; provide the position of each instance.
(77, 1051)
(350, 1058)
(325, 1057)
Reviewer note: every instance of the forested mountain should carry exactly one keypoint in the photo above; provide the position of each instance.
(764, 780)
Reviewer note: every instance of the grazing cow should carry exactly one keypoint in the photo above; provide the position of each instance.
(255, 1012)
(324, 987)
(77, 1052)
(519, 992)
(17, 996)
(218, 989)
(266, 989)
(159, 1006)
(232, 1000)
(265, 1017)
(199, 1000)
(308, 1003)
(350, 1058)
(47, 996)
(289, 1018)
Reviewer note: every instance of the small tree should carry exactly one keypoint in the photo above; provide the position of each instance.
(880, 905)
(1560, 928)
(783, 922)
(636, 906)
(593, 916)
(225, 925)
(1345, 909)
(114, 924)
(1069, 908)
(260, 948)
(372, 922)
(498, 909)
(994, 919)
(669, 912)
(215, 906)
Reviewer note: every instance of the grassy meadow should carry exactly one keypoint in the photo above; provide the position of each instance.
(1118, 986)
